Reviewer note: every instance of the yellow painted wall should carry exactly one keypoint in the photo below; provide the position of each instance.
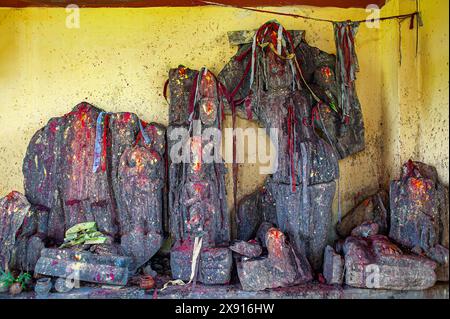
(434, 112)
(119, 58)
(415, 88)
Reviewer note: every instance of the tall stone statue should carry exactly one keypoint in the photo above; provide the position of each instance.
(269, 84)
(199, 220)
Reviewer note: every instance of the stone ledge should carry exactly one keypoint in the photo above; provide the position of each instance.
(312, 291)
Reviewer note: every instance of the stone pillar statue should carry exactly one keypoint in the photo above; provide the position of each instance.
(197, 200)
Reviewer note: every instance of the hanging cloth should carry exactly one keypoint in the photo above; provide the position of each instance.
(100, 146)
(346, 63)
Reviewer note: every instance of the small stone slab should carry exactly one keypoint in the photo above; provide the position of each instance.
(214, 266)
(333, 267)
(88, 267)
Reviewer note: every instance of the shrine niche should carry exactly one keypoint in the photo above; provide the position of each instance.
(143, 208)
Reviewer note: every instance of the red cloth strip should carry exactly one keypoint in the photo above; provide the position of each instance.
(104, 142)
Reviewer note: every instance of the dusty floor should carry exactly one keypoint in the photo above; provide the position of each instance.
(315, 291)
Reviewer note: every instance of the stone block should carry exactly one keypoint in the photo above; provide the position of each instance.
(333, 267)
(66, 263)
(375, 262)
(214, 266)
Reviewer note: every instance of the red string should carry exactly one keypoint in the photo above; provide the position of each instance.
(291, 140)
(104, 142)
(302, 16)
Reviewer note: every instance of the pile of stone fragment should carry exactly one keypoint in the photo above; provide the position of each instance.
(397, 240)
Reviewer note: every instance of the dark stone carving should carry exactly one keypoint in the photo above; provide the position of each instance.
(281, 268)
(419, 212)
(319, 70)
(124, 195)
(303, 187)
(375, 262)
(20, 241)
(197, 198)
(372, 209)
(140, 181)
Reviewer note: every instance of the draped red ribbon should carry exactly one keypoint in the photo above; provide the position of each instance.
(104, 141)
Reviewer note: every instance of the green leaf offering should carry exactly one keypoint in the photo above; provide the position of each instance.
(95, 241)
(80, 227)
(83, 234)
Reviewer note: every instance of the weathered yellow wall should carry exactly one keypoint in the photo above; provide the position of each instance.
(119, 58)
(434, 112)
(415, 88)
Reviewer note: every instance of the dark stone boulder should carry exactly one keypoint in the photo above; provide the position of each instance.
(419, 212)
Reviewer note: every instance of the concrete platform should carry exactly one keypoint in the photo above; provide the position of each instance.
(312, 291)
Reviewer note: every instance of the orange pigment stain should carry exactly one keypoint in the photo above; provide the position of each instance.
(198, 188)
(208, 107)
(326, 71)
(182, 72)
(276, 241)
